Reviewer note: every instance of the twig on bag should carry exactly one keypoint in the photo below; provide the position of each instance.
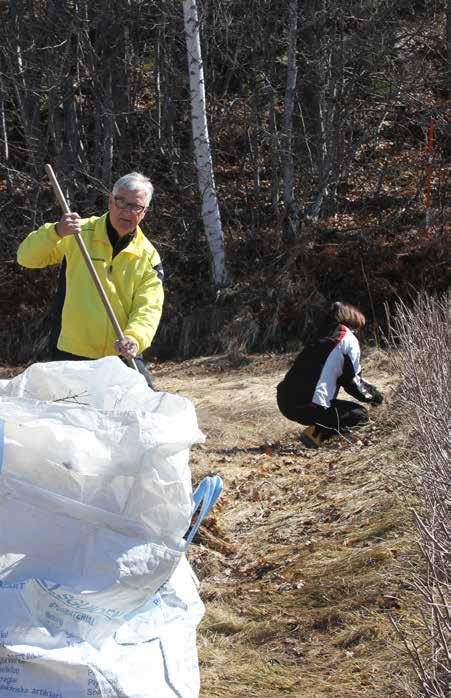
(73, 398)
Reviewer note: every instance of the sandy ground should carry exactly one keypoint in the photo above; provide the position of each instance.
(298, 561)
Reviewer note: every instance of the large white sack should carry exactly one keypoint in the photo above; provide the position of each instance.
(153, 656)
(106, 384)
(94, 498)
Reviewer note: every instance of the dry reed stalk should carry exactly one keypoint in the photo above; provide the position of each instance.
(419, 337)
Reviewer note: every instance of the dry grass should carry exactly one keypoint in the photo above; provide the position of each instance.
(303, 560)
(300, 563)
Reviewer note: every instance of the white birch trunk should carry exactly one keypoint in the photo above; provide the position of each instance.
(202, 152)
(4, 133)
(157, 83)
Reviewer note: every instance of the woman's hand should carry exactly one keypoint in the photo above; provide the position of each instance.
(377, 397)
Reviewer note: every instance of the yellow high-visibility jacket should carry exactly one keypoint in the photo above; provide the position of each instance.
(131, 281)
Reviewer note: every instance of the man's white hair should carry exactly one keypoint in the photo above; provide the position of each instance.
(134, 181)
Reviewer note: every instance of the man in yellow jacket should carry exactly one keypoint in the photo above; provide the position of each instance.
(127, 264)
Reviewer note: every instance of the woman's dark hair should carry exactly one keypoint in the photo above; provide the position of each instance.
(347, 314)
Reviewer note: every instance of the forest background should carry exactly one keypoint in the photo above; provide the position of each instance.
(319, 113)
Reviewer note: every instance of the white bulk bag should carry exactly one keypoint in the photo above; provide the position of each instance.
(95, 491)
(153, 655)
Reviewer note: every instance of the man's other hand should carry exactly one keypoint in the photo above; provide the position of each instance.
(68, 225)
(127, 347)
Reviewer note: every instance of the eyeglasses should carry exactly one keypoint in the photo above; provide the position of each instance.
(125, 206)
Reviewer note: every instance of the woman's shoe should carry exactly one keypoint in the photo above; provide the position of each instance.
(311, 437)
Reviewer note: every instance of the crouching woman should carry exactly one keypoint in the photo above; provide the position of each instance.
(328, 362)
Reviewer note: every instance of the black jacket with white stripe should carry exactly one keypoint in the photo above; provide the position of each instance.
(330, 361)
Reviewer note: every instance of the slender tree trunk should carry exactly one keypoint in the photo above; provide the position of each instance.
(70, 125)
(338, 130)
(157, 88)
(167, 93)
(121, 67)
(210, 208)
(274, 153)
(254, 129)
(16, 69)
(311, 38)
(291, 208)
(108, 132)
(4, 132)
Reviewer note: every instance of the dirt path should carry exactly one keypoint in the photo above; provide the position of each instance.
(298, 563)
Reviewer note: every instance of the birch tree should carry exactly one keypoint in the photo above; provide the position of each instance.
(202, 152)
(4, 133)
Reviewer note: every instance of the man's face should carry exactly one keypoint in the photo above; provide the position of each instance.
(127, 209)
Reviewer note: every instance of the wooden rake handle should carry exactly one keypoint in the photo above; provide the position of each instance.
(80, 242)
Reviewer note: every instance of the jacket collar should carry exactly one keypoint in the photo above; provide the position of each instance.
(135, 247)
